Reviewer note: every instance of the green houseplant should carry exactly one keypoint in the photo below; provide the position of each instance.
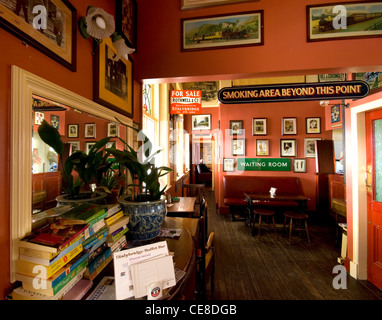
(90, 168)
(143, 200)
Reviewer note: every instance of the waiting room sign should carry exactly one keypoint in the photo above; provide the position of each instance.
(294, 92)
(263, 164)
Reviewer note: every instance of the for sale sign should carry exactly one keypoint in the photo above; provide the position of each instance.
(186, 102)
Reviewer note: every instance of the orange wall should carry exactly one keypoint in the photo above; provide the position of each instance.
(285, 50)
(13, 52)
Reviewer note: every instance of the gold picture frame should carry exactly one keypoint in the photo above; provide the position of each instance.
(113, 80)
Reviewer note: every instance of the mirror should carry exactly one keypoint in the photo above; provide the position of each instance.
(25, 86)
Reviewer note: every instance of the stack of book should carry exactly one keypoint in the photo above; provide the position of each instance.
(116, 224)
(56, 257)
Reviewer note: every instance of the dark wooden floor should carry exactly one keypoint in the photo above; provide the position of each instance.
(268, 269)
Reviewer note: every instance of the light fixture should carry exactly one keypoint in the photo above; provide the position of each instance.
(123, 50)
(325, 103)
(97, 24)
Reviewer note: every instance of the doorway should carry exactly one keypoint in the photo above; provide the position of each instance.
(203, 151)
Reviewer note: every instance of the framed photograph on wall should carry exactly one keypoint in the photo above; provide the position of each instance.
(262, 147)
(57, 38)
(235, 127)
(201, 121)
(259, 127)
(228, 164)
(223, 31)
(112, 129)
(72, 130)
(88, 146)
(299, 165)
(238, 147)
(359, 20)
(113, 80)
(288, 147)
(310, 147)
(335, 113)
(313, 125)
(90, 130)
(289, 126)
(74, 146)
(126, 21)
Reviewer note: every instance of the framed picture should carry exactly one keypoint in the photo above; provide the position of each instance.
(259, 127)
(112, 129)
(223, 31)
(90, 130)
(111, 144)
(350, 20)
(72, 130)
(299, 165)
(288, 147)
(53, 34)
(55, 121)
(195, 4)
(310, 147)
(238, 147)
(113, 80)
(335, 115)
(313, 125)
(38, 117)
(88, 146)
(235, 127)
(228, 164)
(373, 79)
(201, 122)
(126, 21)
(289, 126)
(74, 146)
(262, 147)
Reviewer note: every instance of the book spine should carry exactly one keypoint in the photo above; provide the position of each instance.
(118, 224)
(98, 261)
(96, 216)
(37, 253)
(114, 218)
(113, 210)
(117, 234)
(94, 228)
(119, 243)
(35, 246)
(95, 238)
(99, 269)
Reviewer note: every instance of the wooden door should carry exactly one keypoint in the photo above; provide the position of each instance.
(373, 177)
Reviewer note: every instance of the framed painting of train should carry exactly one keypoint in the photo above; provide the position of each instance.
(344, 20)
(223, 31)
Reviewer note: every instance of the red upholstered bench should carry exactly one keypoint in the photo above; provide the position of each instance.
(234, 188)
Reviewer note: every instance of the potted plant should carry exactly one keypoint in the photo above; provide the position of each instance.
(89, 168)
(143, 200)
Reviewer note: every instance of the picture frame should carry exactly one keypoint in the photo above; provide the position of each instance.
(59, 39)
(310, 147)
(201, 121)
(38, 117)
(194, 36)
(289, 126)
(72, 130)
(116, 92)
(262, 147)
(335, 113)
(322, 25)
(55, 121)
(228, 165)
(313, 125)
(88, 146)
(90, 130)
(235, 127)
(74, 146)
(259, 126)
(112, 129)
(299, 165)
(196, 4)
(238, 147)
(288, 147)
(126, 21)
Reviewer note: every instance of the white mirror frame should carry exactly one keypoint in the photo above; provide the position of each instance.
(24, 84)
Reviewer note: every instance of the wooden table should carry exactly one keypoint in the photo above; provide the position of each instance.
(252, 198)
(185, 207)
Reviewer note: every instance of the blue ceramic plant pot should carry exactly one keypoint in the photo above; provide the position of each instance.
(145, 218)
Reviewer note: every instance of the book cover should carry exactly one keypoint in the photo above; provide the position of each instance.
(84, 213)
(45, 272)
(118, 245)
(93, 275)
(98, 261)
(94, 228)
(88, 243)
(122, 221)
(117, 234)
(114, 218)
(112, 209)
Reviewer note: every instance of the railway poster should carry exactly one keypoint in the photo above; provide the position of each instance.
(344, 20)
(186, 102)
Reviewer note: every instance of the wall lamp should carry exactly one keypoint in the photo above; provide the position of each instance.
(325, 103)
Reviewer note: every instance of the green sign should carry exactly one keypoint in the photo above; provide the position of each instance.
(263, 164)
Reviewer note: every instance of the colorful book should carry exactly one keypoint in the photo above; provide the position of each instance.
(41, 287)
(117, 234)
(112, 209)
(123, 221)
(45, 272)
(88, 243)
(98, 264)
(84, 213)
(52, 237)
(118, 245)
(114, 218)
(94, 228)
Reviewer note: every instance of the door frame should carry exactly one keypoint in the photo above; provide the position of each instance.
(355, 172)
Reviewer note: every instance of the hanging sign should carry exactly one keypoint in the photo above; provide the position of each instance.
(263, 164)
(294, 92)
(186, 102)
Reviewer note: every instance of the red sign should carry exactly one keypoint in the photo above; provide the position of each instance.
(186, 102)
